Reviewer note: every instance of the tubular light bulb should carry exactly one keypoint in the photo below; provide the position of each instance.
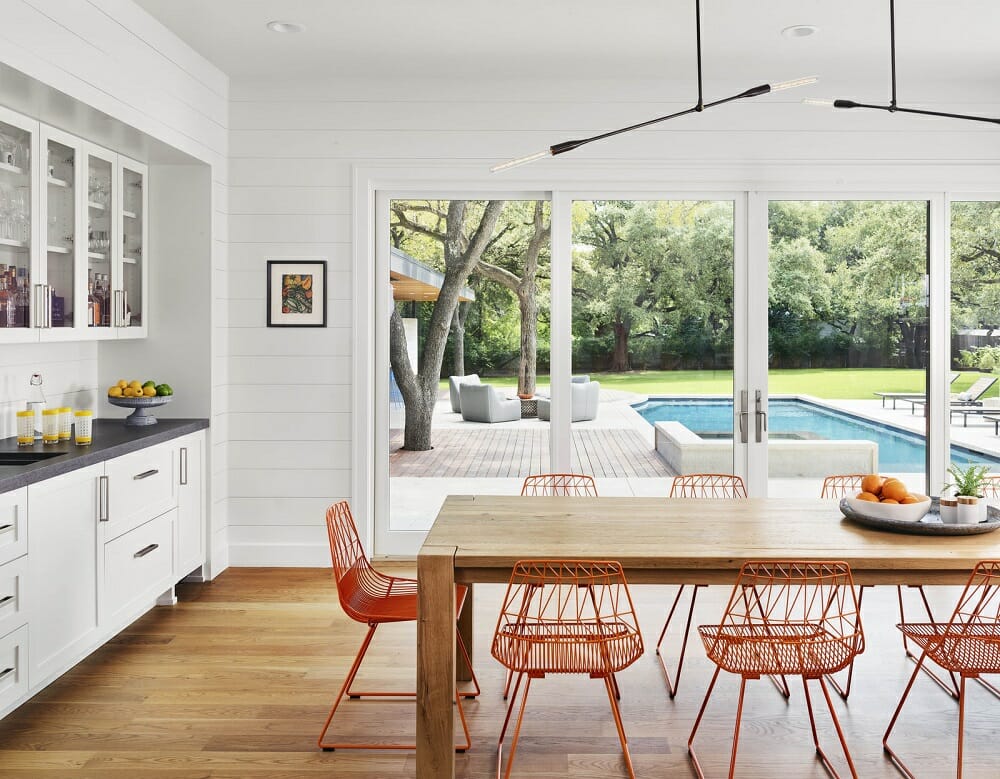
(798, 82)
(820, 101)
(520, 161)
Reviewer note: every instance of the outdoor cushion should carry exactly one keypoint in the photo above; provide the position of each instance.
(453, 384)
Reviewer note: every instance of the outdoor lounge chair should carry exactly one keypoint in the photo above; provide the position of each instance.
(585, 395)
(454, 382)
(485, 403)
(966, 403)
(894, 396)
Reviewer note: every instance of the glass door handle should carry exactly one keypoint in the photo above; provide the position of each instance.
(744, 413)
(760, 416)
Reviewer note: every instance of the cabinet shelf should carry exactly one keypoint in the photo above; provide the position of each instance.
(59, 250)
(130, 214)
(130, 260)
(96, 206)
(54, 182)
(12, 169)
(97, 255)
(14, 244)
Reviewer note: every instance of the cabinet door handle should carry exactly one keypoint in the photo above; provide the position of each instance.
(37, 305)
(48, 305)
(145, 474)
(184, 465)
(6, 599)
(124, 306)
(102, 499)
(5, 673)
(146, 550)
(6, 528)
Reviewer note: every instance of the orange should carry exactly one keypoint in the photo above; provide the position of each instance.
(910, 499)
(872, 483)
(895, 489)
(889, 500)
(868, 496)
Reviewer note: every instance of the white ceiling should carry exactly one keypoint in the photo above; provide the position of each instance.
(945, 50)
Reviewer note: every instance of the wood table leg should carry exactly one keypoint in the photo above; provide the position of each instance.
(436, 663)
(462, 673)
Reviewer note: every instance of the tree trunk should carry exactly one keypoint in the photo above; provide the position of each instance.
(619, 360)
(419, 407)
(527, 368)
(458, 339)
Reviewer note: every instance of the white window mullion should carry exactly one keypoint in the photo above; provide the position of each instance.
(561, 349)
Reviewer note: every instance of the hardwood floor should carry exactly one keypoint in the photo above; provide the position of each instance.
(236, 680)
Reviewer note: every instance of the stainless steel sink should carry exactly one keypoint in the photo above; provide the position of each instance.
(25, 458)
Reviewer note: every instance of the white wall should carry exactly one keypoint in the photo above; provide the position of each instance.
(294, 145)
(111, 55)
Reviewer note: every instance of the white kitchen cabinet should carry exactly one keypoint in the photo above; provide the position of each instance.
(74, 236)
(64, 570)
(13, 594)
(13, 524)
(191, 533)
(139, 486)
(138, 566)
(14, 677)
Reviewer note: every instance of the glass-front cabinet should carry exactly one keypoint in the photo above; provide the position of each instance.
(133, 228)
(60, 222)
(18, 204)
(73, 237)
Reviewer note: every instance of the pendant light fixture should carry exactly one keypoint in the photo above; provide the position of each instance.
(893, 107)
(701, 105)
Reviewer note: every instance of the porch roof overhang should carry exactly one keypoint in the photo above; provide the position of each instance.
(412, 280)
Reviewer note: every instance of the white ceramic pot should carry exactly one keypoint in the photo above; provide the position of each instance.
(971, 510)
(949, 511)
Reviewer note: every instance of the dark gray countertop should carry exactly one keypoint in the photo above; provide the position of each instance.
(111, 439)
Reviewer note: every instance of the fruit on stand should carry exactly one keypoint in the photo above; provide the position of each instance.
(139, 389)
(892, 491)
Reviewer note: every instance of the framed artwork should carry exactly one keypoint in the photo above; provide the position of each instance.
(296, 293)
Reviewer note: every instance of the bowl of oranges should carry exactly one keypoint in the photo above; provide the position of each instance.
(888, 498)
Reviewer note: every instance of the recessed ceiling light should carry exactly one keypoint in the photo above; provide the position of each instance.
(800, 30)
(285, 27)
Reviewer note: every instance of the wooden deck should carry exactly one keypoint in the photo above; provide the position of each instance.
(494, 452)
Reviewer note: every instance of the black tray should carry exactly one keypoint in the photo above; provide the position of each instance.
(929, 525)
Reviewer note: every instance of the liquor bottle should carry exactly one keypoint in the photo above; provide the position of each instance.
(4, 301)
(105, 300)
(23, 301)
(91, 302)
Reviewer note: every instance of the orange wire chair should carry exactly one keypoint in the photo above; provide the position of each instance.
(374, 598)
(991, 486)
(565, 617)
(694, 485)
(968, 644)
(572, 484)
(849, 484)
(797, 618)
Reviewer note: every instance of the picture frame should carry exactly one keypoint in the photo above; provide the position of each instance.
(296, 293)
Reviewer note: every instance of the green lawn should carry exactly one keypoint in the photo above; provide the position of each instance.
(833, 383)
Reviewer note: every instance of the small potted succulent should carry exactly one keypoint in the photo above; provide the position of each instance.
(967, 489)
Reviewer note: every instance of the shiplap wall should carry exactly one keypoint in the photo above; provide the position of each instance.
(293, 145)
(110, 54)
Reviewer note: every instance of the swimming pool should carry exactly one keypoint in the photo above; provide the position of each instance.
(899, 451)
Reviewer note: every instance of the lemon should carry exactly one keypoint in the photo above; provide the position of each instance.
(114, 392)
(149, 391)
(136, 385)
(122, 383)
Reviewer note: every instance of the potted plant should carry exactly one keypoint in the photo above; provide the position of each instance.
(967, 490)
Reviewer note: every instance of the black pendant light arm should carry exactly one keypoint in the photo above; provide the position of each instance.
(893, 107)
(697, 35)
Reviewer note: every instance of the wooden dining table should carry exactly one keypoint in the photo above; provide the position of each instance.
(479, 538)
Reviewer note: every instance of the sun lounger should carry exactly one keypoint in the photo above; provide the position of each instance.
(908, 396)
(966, 403)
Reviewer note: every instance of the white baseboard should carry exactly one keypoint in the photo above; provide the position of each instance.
(280, 555)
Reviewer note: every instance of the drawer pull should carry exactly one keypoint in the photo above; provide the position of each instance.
(184, 466)
(5, 673)
(6, 599)
(146, 550)
(6, 528)
(145, 474)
